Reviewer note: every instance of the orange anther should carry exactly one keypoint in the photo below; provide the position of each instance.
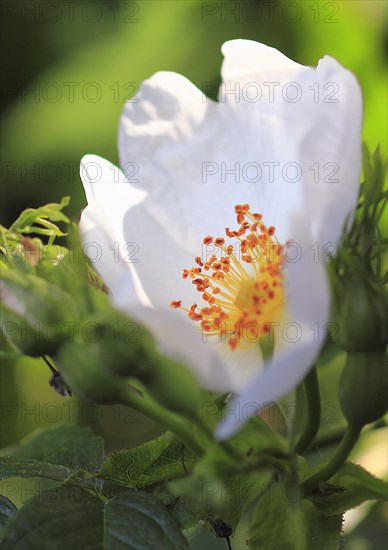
(271, 230)
(176, 304)
(219, 241)
(241, 208)
(207, 240)
(198, 261)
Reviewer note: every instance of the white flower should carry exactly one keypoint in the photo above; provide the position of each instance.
(176, 147)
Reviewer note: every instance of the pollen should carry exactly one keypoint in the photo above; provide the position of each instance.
(240, 283)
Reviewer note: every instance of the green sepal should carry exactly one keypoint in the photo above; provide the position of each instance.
(350, 487)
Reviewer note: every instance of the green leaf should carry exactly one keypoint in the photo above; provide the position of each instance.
(281, 521)
(7, 510)
(154, 461)
(71, 517)
(220, 487)
(67, 445)
(324, 532)
(13, 467)
(351, 486)
(43, 216)
(57, 519)
(188, 511)
(137, 520)
(65, 453)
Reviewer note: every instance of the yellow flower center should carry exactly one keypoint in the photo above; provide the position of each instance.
(241, 283)
(244, 294)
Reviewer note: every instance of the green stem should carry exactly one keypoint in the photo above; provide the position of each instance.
(147, 406)
(313, 401)
(337, 460)
(336, 437)
(227, 447)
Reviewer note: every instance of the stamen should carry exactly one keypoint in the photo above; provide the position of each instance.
(243, 296)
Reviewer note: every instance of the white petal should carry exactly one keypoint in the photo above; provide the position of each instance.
(327, 128)
(157, 259)
(243, 365)
(145, 246)
(307, 284)
(249, 61)
(110, 195)
(98, 244)
(178, 340)
(196, 167)
(101, 180)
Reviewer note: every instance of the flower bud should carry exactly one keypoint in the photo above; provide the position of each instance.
(362, 316)
(364, 387)
(108, 349)
(34, 313)
(173, 386)
(83, 368)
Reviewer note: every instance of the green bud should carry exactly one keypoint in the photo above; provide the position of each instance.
(83, 367)
(173, 386)
(106, 350)
(364, 387)
(362, 316)
(35, 314)
(128, 344)
(109, 349)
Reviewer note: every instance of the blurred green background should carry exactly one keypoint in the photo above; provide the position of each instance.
(67, 69)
